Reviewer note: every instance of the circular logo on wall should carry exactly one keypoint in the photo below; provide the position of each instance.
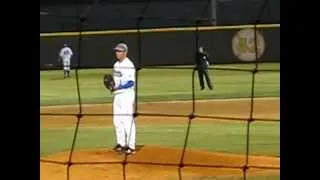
(243, 45)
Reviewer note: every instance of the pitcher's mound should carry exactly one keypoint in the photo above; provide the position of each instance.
(153, 170)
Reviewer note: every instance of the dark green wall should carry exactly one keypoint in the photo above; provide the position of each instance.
(163, 48)
(123, 14)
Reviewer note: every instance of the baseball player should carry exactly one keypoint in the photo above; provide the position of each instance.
(123, 101)
(202, 62)
(65, 55)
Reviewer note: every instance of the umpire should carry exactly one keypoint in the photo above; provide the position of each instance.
(202, 64)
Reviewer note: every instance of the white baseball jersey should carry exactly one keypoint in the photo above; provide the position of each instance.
(66, 53)
(123, 72)
(123, 103)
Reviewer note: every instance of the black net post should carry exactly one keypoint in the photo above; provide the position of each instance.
(79, 115)
(252, 96)
(82, 19)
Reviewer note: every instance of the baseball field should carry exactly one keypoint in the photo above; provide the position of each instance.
(212, 140)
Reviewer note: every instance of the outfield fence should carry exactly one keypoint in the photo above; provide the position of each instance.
(163, 45)
(251, 52)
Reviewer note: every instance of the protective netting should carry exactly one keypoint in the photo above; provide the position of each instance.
(191, 116)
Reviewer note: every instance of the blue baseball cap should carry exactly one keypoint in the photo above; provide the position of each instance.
(121, 47)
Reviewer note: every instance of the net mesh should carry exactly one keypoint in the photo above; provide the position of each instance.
(190, 117)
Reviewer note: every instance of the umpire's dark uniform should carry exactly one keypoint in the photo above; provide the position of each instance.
(202, 62)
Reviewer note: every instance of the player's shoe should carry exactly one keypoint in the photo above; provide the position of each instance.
(130, 151)
(118, 148)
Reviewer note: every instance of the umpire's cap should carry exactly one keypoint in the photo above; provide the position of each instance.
(121, 47)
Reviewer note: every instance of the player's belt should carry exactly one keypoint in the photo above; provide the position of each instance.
(123, 91)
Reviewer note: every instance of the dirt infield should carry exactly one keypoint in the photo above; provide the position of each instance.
(152, 172)
(263, 108)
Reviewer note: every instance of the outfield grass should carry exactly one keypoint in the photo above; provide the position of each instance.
(165, 85)
(162, 85)
(159, 85)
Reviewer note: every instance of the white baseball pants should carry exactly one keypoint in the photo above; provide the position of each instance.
(123, 120)
(66, 64)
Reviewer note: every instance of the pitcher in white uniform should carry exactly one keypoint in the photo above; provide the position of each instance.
(123, 101)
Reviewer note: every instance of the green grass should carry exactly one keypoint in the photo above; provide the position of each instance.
(223, 137)
(162, 85)
(159, 85)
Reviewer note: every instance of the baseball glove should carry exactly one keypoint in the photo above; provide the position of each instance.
(109, 82)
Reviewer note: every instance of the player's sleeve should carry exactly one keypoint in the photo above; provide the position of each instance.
(61, 53)
(210, 59)
(129, 77)
(71, 53)
(131, 73)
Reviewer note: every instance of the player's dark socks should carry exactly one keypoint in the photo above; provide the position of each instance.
(68, 73)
